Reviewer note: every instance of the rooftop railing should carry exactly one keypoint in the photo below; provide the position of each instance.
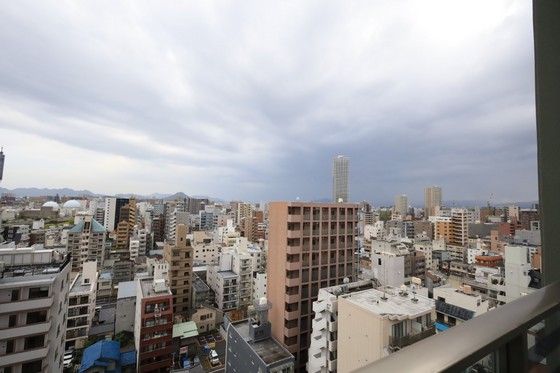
(516, 337)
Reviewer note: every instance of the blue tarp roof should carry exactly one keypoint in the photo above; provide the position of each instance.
(99, 353)
(441, 327)
(128, 358)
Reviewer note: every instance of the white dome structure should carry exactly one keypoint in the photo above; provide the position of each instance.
(72, 204)
(52, 204)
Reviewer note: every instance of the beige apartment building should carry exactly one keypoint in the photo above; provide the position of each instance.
(86, 242)
(180, 259)
(311, 246)
(373, 324)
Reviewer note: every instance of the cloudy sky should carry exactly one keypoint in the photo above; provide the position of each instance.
(252, 100)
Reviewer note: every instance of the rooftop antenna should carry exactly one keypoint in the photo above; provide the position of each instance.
(414, 299)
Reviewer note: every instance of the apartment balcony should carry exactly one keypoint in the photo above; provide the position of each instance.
(294, 233)
(333, 346)
(78, 301)
(319, 306)
(76, 333)
(332, 365)
(166, 351)
(293, 266)
(291, 332)
(319, 324)
(293, 250)
(291, 315)
(294, 218)
(333, 326)
(19, 331)
(515, 337)
(155, 365)
(293, 281)
(407, 340)
(292, 298)
(25, 305)
(28, 355)
(77, 323)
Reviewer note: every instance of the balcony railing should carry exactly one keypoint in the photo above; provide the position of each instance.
(407, 340)
(508, 338)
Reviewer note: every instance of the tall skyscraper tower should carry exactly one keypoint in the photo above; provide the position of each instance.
(2, 157)
(432, 198)
(341, 179)
(401, 205)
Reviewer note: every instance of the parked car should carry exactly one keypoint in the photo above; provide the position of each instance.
(68, 357)
(214, 357)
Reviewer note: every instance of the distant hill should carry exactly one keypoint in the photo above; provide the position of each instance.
(67, 192)
(38, 192)
(176, 195)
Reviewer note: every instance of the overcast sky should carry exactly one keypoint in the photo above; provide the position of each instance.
(252, 100)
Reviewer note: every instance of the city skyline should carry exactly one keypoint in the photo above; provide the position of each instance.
(253, 102)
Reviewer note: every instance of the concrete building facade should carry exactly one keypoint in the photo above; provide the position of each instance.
(153, 326)
(432, 199)
(180, 259)
(81, 305)
(341, 179)
(311, 246)
(401, 205)
(33, 309)
(86, 242)
(373, 324)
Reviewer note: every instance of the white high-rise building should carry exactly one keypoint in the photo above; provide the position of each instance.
(401, 205)
(341, 179)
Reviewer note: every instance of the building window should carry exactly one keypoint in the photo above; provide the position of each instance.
(15, 295)
(10, 346)
(42, 292)
(13, 320)
(32, 366)
(34, 342)
(36, 317)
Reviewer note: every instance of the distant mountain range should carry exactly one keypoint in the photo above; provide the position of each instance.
(67, 192)
(37, 192)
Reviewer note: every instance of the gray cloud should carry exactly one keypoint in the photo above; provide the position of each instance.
(253, 100)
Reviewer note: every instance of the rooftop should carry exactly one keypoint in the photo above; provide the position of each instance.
(78, 287)
(397, 306)
(98, 354)
(199, 285)
(29, 264)
(95, 227)
(185, 330)
(228, 274)
(149, 291)
(127, 289)
(269, 350)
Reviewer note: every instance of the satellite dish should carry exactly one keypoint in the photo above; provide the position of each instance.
(346, 280)
(340, 200)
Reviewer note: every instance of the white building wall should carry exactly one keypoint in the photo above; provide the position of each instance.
(517, 266)
(259, 286)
